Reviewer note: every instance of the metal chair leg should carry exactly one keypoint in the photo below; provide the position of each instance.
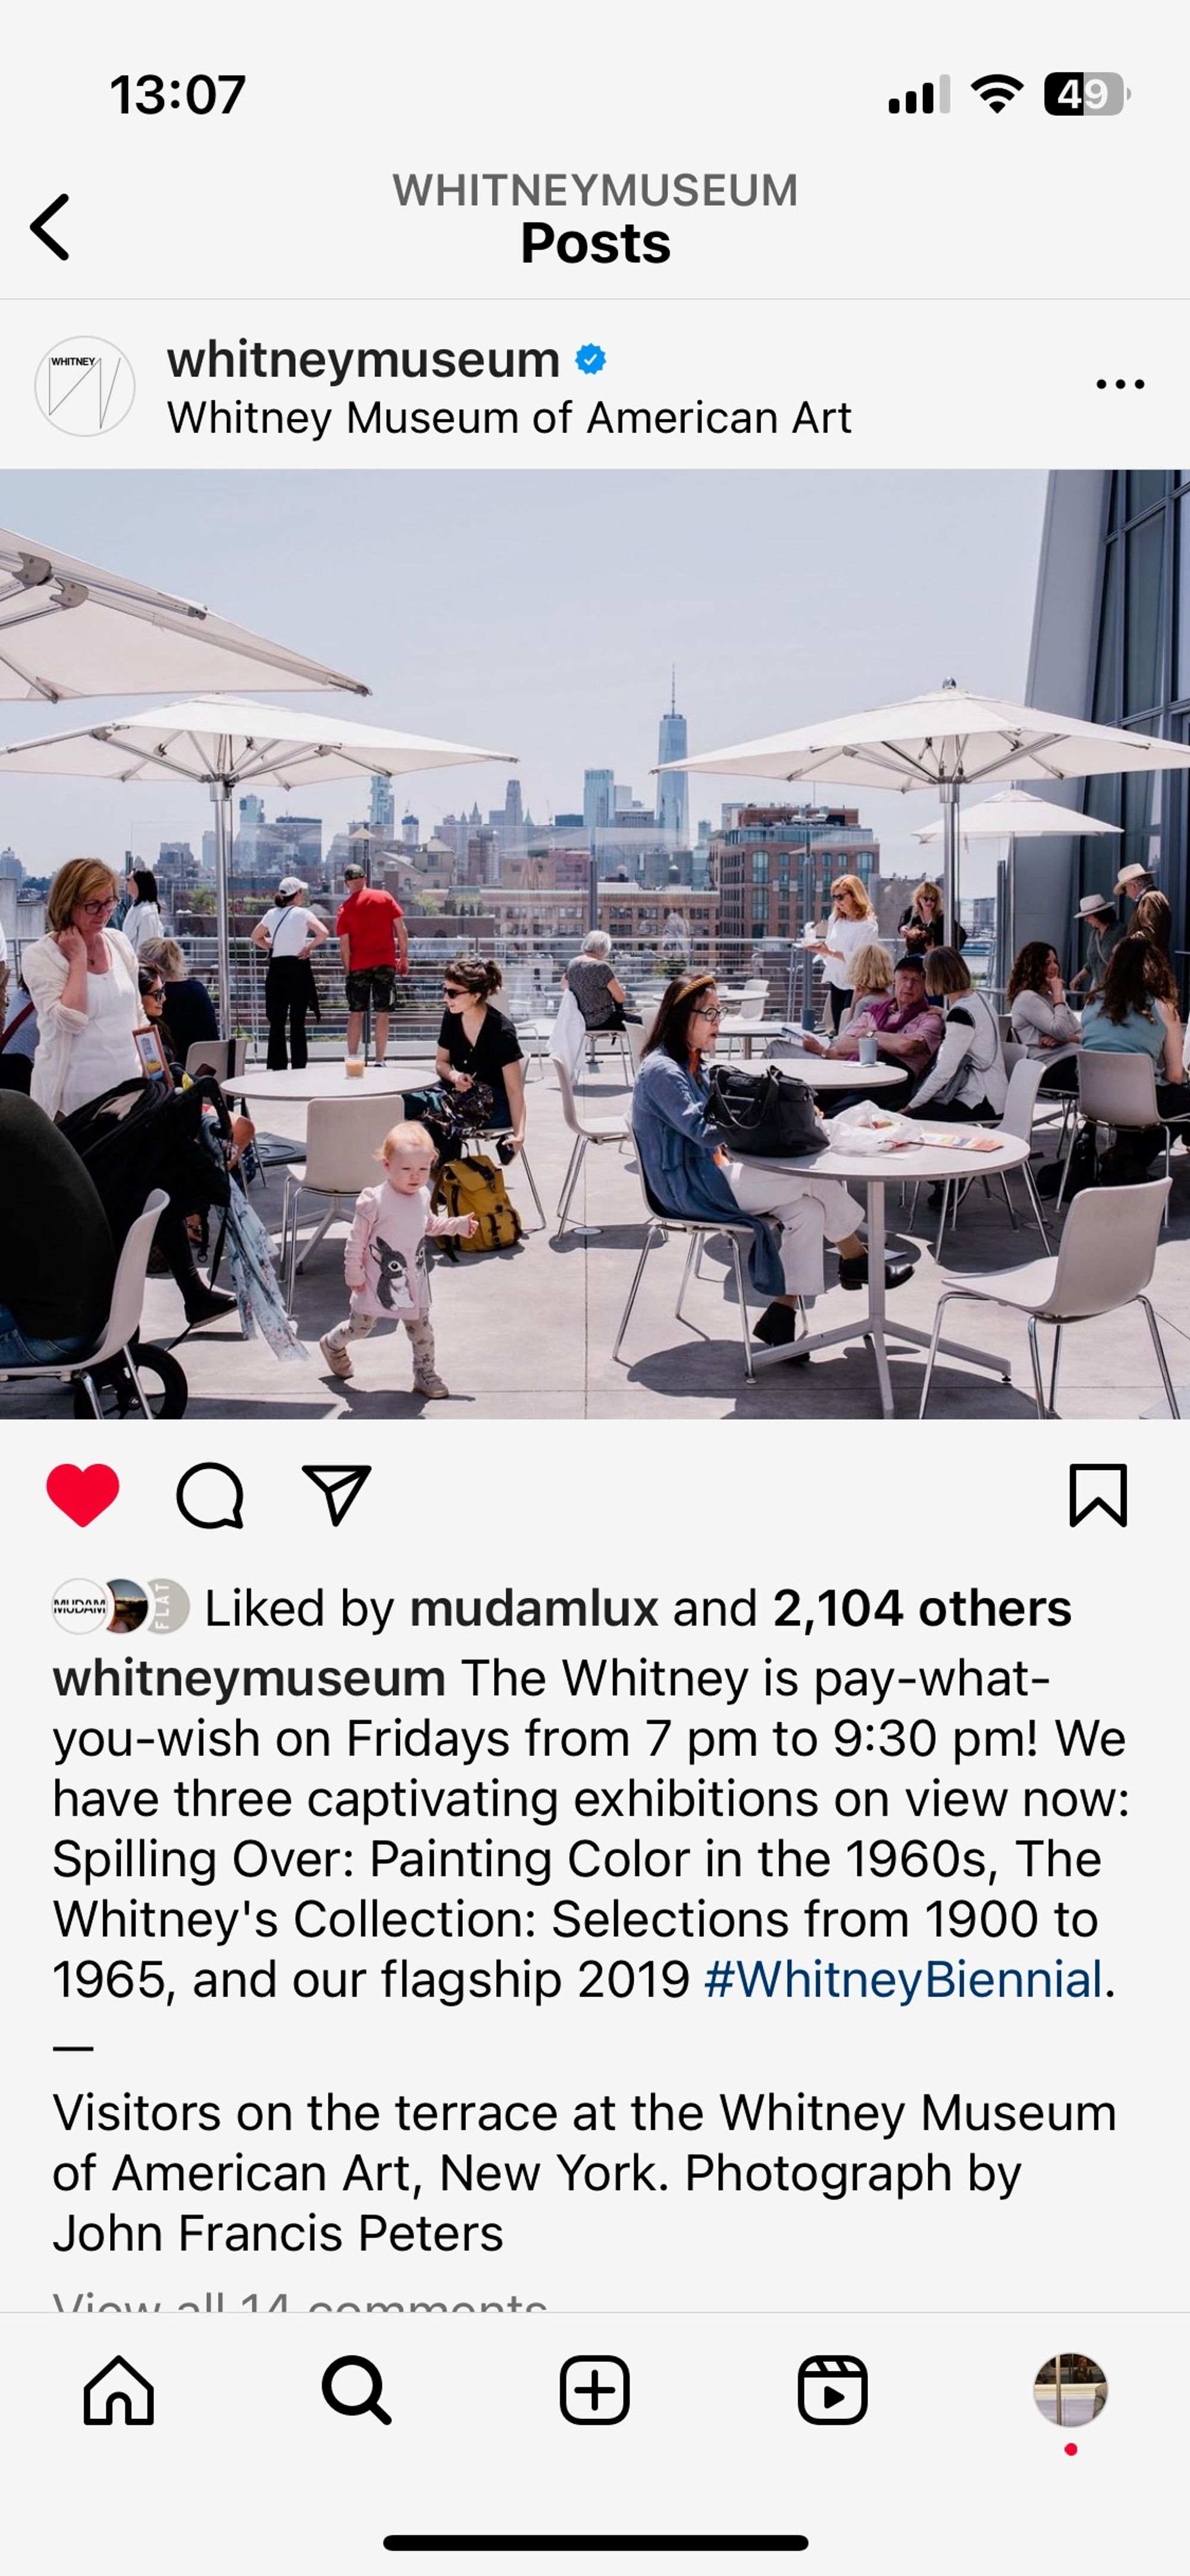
(655, 1235)
(1038, 1381)
(738, 1267)
(1016, 1223)
(1162, 1364)
(931, 1356)
(1038, 1211)
(691, 1249)
(570, 1184)
(942, 1220)
(87, 1382)
(1056, 1362)
(1066, 1166)
(528, 1172)
(129, 1357)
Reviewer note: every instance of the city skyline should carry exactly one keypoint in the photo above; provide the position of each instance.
(546, 612)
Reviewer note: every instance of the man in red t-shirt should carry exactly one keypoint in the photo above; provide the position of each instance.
(374, 950)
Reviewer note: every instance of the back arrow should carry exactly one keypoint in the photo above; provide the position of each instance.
(37, 227)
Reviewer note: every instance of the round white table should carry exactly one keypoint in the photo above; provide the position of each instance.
(326, 1082)
(872, 1173)
(840, 1073)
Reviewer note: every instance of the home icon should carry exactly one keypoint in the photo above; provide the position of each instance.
(118, 2391)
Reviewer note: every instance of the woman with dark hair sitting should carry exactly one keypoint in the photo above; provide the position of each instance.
(1041, 1019)
(967, 1079)
(188, 1005)
(689, 1172)
(143, 918)
(477, 1043)
(1137, 1014)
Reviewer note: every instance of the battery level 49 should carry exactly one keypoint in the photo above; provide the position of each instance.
(1084, 94)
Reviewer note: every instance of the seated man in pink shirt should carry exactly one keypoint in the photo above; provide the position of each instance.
(907, 1027)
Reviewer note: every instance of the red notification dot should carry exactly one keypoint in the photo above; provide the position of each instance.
(1070, 2449)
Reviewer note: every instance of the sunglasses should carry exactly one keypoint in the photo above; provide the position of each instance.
(454, 992)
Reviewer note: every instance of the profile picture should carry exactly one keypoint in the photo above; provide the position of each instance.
(1070, 2389)
(130, 1606)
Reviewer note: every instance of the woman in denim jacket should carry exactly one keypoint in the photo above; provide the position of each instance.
(689, 1172)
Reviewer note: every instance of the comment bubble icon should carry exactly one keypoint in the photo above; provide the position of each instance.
(210, 1497)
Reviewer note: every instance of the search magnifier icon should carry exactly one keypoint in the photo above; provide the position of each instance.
(369, 2405)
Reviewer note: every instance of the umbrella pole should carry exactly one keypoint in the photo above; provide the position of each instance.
(222, 924)
(950, 857)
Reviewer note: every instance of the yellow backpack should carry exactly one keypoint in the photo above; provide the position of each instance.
(474, 1186)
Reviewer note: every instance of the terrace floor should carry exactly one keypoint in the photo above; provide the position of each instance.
(529, 1332)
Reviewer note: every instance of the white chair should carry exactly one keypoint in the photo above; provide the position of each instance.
(618, 1042)
(751, 1011)
(1105, 1262)
(1016, 1119)
(638, 1033)
(343, 1139)
(1120, 1091)
(123, 1322)
(224, 1057)
(535, 1035)
(658, 1227)
(585, 1131)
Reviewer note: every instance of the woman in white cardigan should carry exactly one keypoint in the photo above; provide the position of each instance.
(83, 978)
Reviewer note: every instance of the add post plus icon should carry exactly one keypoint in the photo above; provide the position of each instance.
(594, 2388)
(832, 2388)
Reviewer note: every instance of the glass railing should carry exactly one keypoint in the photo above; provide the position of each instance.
(789, 981)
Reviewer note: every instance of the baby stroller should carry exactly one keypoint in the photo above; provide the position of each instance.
(135, 1139)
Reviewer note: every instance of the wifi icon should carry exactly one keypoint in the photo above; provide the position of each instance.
(997, 90)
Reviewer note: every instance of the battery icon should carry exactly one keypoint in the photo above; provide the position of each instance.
(1084, 93)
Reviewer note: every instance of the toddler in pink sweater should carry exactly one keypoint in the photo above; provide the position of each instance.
(385, 1258)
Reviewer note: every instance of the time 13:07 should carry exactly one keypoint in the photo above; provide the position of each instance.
(147, 93)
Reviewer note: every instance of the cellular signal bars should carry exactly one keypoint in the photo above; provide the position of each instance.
(930, 99)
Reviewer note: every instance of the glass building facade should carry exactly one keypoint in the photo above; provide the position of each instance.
(1112, 641)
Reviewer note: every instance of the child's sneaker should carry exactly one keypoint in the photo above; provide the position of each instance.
(338, 1361)
(428, 1382)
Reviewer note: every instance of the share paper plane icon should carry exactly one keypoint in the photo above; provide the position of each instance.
(339, 1487)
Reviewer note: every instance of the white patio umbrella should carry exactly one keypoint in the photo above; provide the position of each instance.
(68, 630)
(225, 745)
(1013, 814)
(949, 740)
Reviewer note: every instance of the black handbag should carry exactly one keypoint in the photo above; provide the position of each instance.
(763, 1112)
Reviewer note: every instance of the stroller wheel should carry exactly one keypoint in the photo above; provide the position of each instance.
(165, 1383)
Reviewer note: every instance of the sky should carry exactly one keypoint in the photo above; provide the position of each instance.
(542, 612)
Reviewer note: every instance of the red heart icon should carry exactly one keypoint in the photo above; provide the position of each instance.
(82, 1492)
